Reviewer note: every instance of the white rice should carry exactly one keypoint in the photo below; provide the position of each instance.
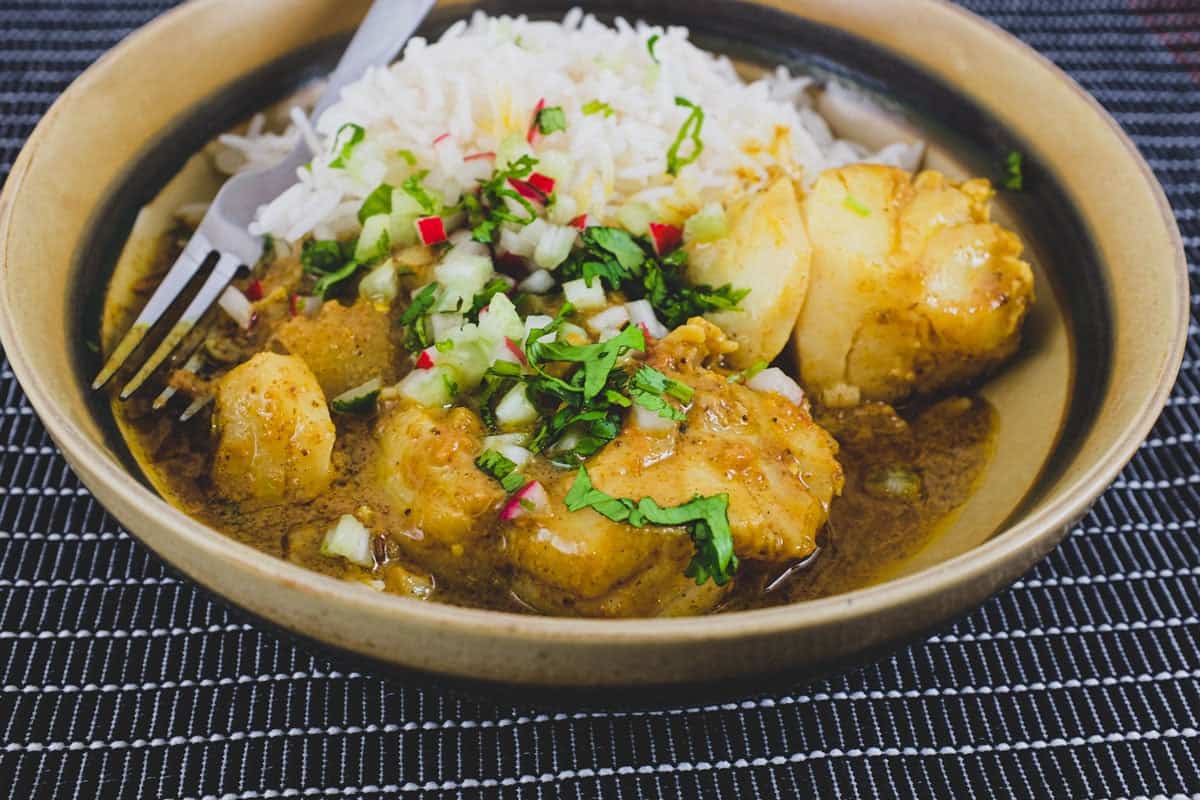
(480, 83)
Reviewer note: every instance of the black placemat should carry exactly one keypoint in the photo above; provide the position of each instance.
(1082, 680)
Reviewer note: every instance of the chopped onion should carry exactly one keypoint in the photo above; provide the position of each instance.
(515, 453)
(514, 243)
(530, 497)
(773, 379)
(539, 282)
(649, 420)
(642, 313)
(237, 306)
(584, 297)
(665, 237)
(613, 317)
(707, 225)
(431, 230)
(498, 440)
(350, 540)
(514, 409)
(554, 246)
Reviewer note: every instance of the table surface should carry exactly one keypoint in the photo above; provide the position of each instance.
(1081, 680)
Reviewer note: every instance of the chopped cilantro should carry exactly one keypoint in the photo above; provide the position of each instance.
(409, 156)
(502, 468)
(330, 261)
(1013, 169)
(414, 187)
(748, 373)
(377, 202)
(416, 335)
(648, 388)
(484, 296)
(487, 208)
(551, 119)
(344, 141)
(689, 130)
(706, 519)
(651, 43)
(597, 107)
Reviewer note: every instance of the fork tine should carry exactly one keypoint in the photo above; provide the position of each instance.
(180, 274)
(222, 274)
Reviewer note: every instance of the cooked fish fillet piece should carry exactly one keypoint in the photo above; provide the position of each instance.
(778, 467)
(345, 346)
(767, 251)
(912, 288)
(274, 435)
(426, 466)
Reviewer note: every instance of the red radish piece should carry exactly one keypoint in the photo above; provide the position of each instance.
(516, 350)
(666, 237)
(479, 156)
(533, 126)
(432, 230)
(579, 222)
(527, 190)
(254, 292)
(543, 183)
(425, 360)
(530, 497)
(441, 139)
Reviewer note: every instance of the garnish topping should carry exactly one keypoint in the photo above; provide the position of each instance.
(344, 141)
(1013, 169)
(689, 130)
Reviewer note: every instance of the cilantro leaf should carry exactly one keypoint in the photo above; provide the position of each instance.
(706, 518)
(319, 257)
(484, 296)
(344, 141)
(648, 388)
(414, 187)
(551, 119)
(598, 359)
(1013, 169)
(377, 202)
(619, 243)
(651, 43)
(502, 468)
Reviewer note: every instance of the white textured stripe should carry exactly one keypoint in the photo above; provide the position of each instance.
(1064, 630)
(682, 766)
(507, 722)
(89, 536)
(49, 491)
(28, 451)
(71, 583)
(1117, 577)
(135, 633)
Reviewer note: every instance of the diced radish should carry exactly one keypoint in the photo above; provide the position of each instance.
(441, 139)
(516, 350)
(610, 318)
(515, 453)
(528, 190)
(425, 359)
(237, 306)
(254, 292)
(579, 222)
(543, 183)
(665, 237)
(498, 440)
(431, 230)
(530, 497)
(584, 297)
(649, 420)
(642, 313)
(539, 282)
(532, 135)
(773, 379)
(480, 156)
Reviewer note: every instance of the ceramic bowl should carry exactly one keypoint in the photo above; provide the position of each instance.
(1102, 346)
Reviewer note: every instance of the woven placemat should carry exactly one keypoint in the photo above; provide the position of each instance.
(1082, 680)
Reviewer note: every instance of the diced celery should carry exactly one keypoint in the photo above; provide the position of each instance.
(636, 218)
(429, 387)
(380, 284)
(374, 241)
(707, 225)
(359, 399)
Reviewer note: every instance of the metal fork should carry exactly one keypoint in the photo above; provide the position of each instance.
(386, 27)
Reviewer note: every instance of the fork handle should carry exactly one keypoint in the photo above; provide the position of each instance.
(380, 36)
